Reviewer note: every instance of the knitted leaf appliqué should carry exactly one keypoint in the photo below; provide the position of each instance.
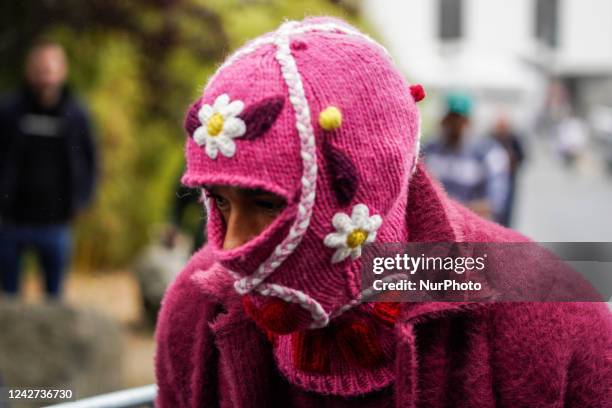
(342, 173)
(260, 117)
(352, 233)
(220, 124)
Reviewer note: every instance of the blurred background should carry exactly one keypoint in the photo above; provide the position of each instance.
(529, 78)
(543, 65)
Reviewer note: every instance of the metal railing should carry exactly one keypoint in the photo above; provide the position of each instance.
(130, 398)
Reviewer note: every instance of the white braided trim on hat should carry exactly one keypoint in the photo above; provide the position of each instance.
(365, 295)
(241, 52)
(293, 28)
(303, 124)
(333, 27)
(319, 317)
(297, 97)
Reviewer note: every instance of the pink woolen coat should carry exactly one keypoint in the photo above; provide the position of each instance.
(210, 354)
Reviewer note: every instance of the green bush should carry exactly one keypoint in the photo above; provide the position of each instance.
(138, 65)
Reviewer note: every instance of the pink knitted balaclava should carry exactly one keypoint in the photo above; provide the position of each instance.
(316, 113)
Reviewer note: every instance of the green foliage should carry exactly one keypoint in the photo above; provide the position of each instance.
(138, 65)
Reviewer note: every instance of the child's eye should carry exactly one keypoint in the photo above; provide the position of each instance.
(221, 203)
(271, 206)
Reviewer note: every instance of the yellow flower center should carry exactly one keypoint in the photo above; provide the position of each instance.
(356, 238)
(215, 124)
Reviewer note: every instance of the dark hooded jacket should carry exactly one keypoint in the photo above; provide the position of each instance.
(48, 160)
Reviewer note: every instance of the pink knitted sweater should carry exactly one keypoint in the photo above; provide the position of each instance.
(210, 354)
(317, 113)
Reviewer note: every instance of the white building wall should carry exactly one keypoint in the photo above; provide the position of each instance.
(499, 25)
(487, 61)
(405, 27)
(498, 59)
(585, 37)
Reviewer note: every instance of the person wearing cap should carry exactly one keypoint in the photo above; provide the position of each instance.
(305, 144)
(48, 168)
(474, 171)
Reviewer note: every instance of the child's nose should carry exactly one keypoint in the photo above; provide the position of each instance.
(239, 229)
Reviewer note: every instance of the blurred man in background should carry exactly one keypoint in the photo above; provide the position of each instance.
(512, 144)
(473, 171)
(47, 168)
(571, 138)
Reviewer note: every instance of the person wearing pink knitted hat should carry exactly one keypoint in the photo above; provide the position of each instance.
(305, 143)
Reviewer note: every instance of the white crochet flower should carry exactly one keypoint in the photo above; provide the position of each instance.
(220, 125)
(352, 233)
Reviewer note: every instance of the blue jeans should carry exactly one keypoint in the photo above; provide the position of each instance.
(50, 243)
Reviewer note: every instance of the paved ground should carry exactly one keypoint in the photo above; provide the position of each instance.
(560, 204)
(115, 295)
